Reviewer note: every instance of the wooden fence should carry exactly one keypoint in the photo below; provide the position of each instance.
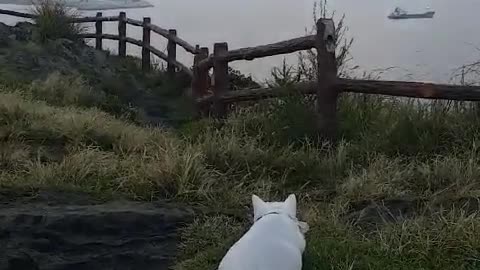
(147, 48)
(327, 87)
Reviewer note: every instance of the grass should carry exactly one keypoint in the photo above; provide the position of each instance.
(64, 147)
(400, 191)
(447, 242)
(391, 150)
(64, 144)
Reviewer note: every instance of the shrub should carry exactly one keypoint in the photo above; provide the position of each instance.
(53, 20)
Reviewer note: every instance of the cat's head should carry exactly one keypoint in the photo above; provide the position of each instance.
(287, 207)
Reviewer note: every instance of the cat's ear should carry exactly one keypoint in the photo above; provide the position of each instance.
(259, 207)
(290, 205)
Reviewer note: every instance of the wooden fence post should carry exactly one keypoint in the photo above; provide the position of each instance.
(327, 95)
(98, 32)
(172, 53)
(199, 80)
(220, 73)
(146, 44)
(122, 33)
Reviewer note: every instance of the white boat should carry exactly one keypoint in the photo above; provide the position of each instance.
(399, 13)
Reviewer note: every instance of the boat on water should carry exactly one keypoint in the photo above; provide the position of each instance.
(399, 13)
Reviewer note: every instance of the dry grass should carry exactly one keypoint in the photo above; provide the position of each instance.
(91, 149)
(60, 143)
(62, 90)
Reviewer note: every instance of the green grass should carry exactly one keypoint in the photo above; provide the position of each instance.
(437, 243)
(391, 149)
(65, 144)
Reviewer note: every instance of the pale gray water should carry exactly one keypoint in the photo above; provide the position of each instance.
(427, 49)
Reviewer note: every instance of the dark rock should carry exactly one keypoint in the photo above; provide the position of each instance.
(23, 31)
(21, 261)
(6, 35)
(374, 213)
(118, 235)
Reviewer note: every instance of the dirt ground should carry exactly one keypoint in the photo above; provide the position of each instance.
(62, 230)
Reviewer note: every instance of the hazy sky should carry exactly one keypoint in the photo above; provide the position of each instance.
(428, 49)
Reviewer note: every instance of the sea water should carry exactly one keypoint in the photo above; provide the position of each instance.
(422, 49)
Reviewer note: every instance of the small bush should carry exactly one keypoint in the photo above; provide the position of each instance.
(53, 21)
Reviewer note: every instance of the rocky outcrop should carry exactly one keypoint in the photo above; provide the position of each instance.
(59, 235)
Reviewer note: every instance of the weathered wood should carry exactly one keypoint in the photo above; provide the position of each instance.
(172, 52)
(206, 63)
(135, 22)
(146, 42)
(94, 19)
(99, 32)
(122, 33)
(17, 14)
(182, 43)
(283, 47)
(159, 30)
(199, 85)
(165, 33)
(74, 20)
(327, 94)
(104, 36)
(221, 83)
(261, 93)
(251, 53)
(386, 88)
(410, 89)
(139, 43)
(163, 56)
(200, 77)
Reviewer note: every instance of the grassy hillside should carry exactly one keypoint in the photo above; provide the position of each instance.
(400, 191)
(370, 207)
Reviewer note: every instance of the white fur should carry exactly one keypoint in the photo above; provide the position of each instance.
(274, 242)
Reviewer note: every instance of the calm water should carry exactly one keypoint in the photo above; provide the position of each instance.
(427, 50)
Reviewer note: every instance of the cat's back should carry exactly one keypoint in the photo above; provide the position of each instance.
(272, 243)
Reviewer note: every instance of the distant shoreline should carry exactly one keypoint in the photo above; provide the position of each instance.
(89, 5)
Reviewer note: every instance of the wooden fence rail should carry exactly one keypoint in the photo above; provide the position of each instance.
(147, 49)
(327, 87)
(283, 47)
(386, 88)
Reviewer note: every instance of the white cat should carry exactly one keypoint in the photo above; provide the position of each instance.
(274, 242)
